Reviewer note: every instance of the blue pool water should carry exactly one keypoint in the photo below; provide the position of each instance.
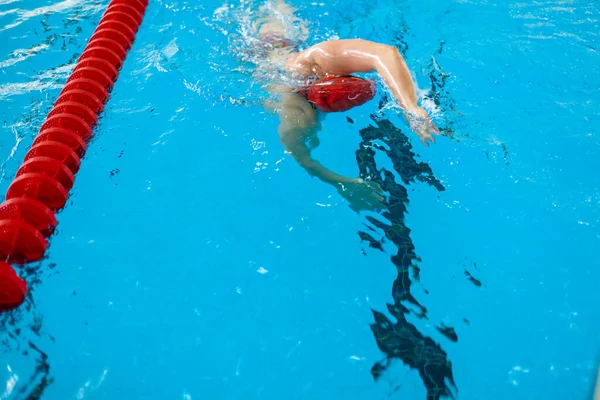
(195, 260)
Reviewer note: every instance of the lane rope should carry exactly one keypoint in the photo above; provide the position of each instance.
(42, 183)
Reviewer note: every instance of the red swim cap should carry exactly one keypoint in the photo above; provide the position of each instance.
(338, 93)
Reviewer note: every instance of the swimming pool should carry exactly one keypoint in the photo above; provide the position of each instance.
(196, 260)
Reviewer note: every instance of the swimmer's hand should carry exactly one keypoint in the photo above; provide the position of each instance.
(362, 195)
(421, 124)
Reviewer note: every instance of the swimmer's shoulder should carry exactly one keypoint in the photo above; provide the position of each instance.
(305, 64)
(297, 63)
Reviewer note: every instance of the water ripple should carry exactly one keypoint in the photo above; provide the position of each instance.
(25, 15)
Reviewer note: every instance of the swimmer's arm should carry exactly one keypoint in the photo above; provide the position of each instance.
(295, 145)
(346, 57)
(297, 122)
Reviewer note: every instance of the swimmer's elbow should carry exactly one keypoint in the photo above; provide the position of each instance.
(307, 162)
(304, 159)
(386, 53)
(387, 49)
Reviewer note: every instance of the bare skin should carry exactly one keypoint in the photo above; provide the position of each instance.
(299, 124)
(346, 57)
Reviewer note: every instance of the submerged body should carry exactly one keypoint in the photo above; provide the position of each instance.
(299, 122)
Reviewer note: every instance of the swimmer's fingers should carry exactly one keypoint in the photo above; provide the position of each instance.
(432, 128)
(363, 195)
(422, 125)
(423, 131)
(426, 138)
(377, 190)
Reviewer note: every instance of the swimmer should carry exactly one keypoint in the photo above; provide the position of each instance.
(299, 123)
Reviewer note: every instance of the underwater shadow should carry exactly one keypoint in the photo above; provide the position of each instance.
(401, 340)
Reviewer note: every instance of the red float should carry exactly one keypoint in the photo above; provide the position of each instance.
(103, 52)
(12, 288)
(43, 188)
(126, 9)
(20, 242)
(31, 211)
(123, 17)
(87, 85)
(94, 74)
(68, 121)
(77, 109)
(110, 44)
(64, 136)
(56, 150)
(118, 26)
(84, 97)
(139, 6)
(51, 167)
(101, 64)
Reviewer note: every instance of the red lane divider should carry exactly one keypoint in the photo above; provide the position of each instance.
(42, 183)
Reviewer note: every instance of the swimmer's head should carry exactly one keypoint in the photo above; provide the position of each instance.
(338, 93)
